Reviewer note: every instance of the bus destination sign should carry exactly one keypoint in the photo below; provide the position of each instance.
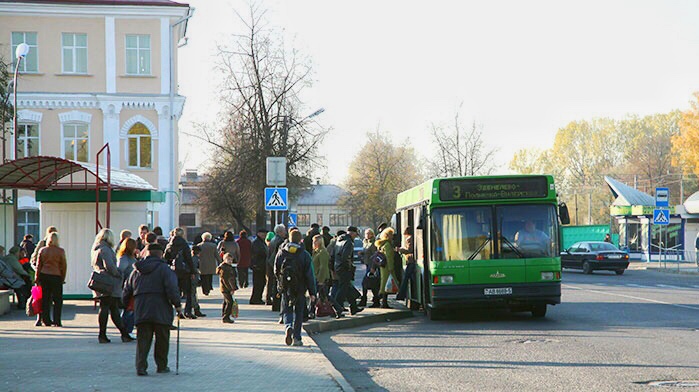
(492, 188)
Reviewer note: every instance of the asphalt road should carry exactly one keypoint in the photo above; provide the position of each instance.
(611, 333)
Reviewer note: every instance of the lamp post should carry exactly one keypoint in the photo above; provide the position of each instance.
(20, 53)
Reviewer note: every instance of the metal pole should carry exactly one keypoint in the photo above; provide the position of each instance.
(14, 155)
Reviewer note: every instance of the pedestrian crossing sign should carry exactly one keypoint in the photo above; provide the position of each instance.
(276, 199)
(661, 217)
(292, 220)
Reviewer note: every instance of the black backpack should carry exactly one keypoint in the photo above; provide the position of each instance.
(378, 259)
(289, 275)
(179, 265)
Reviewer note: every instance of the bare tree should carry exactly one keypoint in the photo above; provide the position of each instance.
(261, 92)
(460, 152)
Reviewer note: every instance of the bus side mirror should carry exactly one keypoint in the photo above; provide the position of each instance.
(563, 213)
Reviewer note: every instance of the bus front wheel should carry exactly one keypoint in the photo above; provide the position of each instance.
(539, 310)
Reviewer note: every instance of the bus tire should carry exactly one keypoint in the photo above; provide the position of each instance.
(539, 310)
(587, 268)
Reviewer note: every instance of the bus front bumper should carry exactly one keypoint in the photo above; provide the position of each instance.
(522, 294)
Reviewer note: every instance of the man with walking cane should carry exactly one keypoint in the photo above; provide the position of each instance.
(153, 288)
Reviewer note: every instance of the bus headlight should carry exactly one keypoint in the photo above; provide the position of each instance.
(547, 275)
(446, 279)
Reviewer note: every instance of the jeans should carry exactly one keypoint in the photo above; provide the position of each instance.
(227, 305)
(408, 278)
(127, 317)
(144, 339)
(195, 300)
(185, 283)
(271, 284)
(52, 289)
(293, 314)
(109, 305)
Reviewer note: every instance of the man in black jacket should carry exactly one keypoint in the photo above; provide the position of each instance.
(153, 286)
(259, 267)
(280, 234)
(179, 248)
(344, 269)
(293, 302)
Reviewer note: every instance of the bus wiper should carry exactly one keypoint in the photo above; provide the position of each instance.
(511, 246)
(479, 249)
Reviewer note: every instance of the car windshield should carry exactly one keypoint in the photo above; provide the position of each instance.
(527, 231)
(602, 246)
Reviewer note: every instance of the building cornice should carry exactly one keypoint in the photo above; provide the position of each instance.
(73, 10)
(102, 102)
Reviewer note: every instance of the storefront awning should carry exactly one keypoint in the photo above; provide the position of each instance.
(52, 173)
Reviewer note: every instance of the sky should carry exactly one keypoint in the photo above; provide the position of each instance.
(521, 70)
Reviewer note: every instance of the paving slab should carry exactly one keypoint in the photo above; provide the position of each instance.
(249, 355)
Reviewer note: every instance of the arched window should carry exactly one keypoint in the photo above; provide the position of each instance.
(140, 146)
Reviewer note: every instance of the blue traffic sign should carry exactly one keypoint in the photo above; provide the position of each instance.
(276, 199)
(292, 220)
(661, 217)
(662, 197)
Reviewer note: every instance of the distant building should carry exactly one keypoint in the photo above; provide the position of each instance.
(321, 204)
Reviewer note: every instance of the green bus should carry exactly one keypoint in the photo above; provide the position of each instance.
(484, 242)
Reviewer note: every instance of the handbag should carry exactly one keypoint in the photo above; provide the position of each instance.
(34, 302)
(236, 309)
(101, 283)
(379, 259)
(324, 308)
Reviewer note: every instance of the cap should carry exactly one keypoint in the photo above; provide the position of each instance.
(352, 228)
(154, 246)
(270, 235)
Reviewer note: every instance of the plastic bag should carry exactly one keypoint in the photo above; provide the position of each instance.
(35, 301)
(391, 286)
(235, 310)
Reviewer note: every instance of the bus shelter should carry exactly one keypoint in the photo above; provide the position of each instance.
(80, 198)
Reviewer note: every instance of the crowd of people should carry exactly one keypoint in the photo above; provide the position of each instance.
(144, 280)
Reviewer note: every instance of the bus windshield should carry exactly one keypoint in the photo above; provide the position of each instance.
(467, 233)
(527, 231)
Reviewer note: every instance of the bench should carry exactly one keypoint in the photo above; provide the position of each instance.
(5, 296)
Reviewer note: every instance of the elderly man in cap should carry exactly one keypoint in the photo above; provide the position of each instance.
(153, 285)
(344, 270)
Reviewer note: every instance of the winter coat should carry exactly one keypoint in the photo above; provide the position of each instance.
(259, 254)
(12, 262)
(244, 246)
(386, 247)
(368, 250)
(344, 250)
(321, 260)
(8, 278)
(104, 259)
(208, 258)
(153, 285)
(230, 247)
(28, 246)
(308, 240)
(125, 265)
(274, 249)
(305, 266)
(52, 261)
(407, 250)
(176, 245)
(34, 258)
(228, 277)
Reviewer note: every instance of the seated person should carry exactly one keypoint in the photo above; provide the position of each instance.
(532, 239)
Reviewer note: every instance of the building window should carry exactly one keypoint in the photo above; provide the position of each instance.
(27, 223)
(140, 142)
(338, 219)
(188, 220)
(303, 220)
(27, 140)
(30, 63)
(74, 53)
(138, 54)
(319, 219)
(76, 139)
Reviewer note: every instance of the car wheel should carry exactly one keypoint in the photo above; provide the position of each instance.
(539, 311)
(620, 272)
(587, 268)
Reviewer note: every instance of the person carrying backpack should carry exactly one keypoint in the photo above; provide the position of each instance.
(294, 273)
(179, 255)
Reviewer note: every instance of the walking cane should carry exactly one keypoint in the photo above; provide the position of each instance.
(177, 360)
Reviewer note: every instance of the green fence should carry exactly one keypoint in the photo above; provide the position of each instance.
(573, 234)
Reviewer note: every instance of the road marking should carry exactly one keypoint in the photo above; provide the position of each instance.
(632, 297)
(669, 286)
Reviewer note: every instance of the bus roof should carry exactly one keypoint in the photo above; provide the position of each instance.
(479, 190)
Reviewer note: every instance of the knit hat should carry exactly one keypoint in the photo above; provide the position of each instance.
(270, 235)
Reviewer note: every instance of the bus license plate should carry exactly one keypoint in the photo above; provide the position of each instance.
(498, 291)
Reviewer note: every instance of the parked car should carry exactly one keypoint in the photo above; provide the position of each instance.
(358, 247)
(595, 255)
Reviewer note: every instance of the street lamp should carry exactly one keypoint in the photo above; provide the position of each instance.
(20, 53)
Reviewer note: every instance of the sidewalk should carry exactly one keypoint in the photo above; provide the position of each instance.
(249, 355)
(671, 267)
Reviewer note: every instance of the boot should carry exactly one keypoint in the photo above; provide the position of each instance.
(384, 302)
(103, 339)
(362, 302)
(377, 302)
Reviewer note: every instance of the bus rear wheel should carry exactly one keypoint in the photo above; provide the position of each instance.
(539, 310)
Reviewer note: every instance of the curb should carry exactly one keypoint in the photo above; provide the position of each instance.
(375, 316)
(333, 372)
